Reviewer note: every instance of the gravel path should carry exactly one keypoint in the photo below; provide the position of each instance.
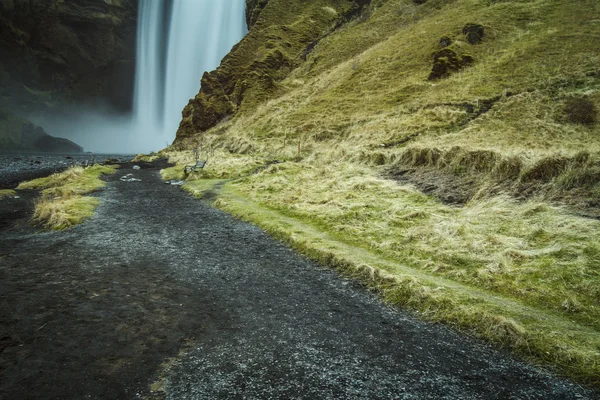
(95, 311)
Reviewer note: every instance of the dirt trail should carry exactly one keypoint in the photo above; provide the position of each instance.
(93, 313)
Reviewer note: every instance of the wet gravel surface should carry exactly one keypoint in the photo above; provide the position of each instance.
(156, 275)
(15, 168)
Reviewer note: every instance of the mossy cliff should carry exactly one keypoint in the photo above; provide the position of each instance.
(282, 33)
(54, 53)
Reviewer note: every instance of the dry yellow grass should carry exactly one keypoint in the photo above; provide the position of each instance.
(62, 203)
(61, 213)
(7, 193)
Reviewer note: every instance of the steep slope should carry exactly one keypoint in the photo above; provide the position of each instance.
(281, 35)
(458, 138)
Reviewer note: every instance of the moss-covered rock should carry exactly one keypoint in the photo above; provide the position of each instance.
(447, 61)
(253, 10)
(474, 33)
(212, 100)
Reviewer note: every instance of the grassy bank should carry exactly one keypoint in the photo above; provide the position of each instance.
(63, 203)
(513, 289)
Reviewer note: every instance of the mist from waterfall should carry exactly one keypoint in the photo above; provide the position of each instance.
(178, 40)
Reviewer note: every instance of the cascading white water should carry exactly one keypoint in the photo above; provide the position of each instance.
(178, 40)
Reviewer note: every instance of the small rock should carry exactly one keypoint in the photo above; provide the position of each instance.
(17, 197)
(129, 178)
(177, 183)
(445, 41)
(136, 167)
(474, 33)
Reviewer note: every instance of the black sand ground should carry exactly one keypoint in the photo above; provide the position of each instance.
(93, 313)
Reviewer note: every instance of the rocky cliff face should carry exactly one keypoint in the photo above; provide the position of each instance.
(282, 33)
(54, 53)
(253, 10)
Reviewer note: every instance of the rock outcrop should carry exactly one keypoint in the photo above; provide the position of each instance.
(253, 10)
(54, 53)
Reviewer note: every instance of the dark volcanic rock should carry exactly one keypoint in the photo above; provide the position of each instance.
(445, 41)
(213, 102)
(55, 52)
(474, 33)
(253, 10)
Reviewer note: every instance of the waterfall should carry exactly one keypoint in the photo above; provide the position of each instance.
(178, 40)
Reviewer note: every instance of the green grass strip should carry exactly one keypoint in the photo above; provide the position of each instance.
(540, 336)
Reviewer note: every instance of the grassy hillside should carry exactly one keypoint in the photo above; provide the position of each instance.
(456, 139)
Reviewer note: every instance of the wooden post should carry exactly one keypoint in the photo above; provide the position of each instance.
(201, 145)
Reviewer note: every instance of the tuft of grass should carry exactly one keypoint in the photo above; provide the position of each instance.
(147, 157)
(62, 203)
(61, 213)
(173, 173)
(7, 193)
